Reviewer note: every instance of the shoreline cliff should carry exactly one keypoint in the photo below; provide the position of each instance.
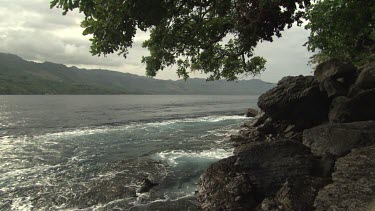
(311, 148)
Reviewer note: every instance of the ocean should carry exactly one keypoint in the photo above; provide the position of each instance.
(91, 152)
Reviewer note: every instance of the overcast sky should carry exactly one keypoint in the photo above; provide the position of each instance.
(31, 30)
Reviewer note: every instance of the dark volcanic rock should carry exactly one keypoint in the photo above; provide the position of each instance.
(296, 99)
(354, 90)
(297, 194)
(334, 88)
(338, 139)
(259, 119)
(269, 171)
(251, 112)
(249, 135)
(353, 186)
(241, 182)
(146, 186)
(336, 70)
(222, 188)
(335, 77)
(339, 111)
(359, 108)
(366, 79)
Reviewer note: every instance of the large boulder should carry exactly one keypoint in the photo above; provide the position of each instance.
(338, 139)
(335, 69)
(366, 79)
(296, 99)
(353, 186)
(241, 182)
(222, 187)
(334, 88)
(358, 108)
(335, 77)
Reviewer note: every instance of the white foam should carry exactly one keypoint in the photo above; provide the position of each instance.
(21, 203)
(197, 119)
(165, 199)
(132, 126)
(72, 133)
(172, 157)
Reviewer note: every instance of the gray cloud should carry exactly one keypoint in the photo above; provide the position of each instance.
(33, 31)
(286, 55)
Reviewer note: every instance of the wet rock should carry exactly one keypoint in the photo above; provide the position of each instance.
(251, 112)
(239, 140)
(269, 204)
(252, 175)
(260, 119)
(249, 135)
(353, 186)
(100, 192)
(297, 194)
(338, 139)
(267, 127)
(366, 78)
(146, 186)
(222, 188)
(270, 163)
(296, 99)
(359, 108)
(335, 69)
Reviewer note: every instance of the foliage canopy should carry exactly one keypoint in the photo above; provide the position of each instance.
(216, 37)
(342, 29)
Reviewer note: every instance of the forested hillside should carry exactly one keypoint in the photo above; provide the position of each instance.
(18, 76)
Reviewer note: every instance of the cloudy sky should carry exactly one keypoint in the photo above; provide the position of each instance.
(31, 30)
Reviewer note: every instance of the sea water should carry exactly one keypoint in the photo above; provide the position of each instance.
(94, 152)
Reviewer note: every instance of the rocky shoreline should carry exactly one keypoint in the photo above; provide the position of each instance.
(311, 148)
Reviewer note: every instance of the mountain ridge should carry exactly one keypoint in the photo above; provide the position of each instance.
(18, 76)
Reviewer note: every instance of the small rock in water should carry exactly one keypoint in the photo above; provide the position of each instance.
(146, 186)
(251, 112)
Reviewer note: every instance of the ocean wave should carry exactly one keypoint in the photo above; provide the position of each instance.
(135, 126)
(175, 156)
(198, 119)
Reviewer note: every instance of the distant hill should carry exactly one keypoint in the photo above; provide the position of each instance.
(18, 76)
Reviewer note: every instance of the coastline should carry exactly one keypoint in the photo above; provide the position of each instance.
(311, 148)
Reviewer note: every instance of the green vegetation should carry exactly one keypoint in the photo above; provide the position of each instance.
(218, 36)
(18, 76)
(343, 29)
(215, 37)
